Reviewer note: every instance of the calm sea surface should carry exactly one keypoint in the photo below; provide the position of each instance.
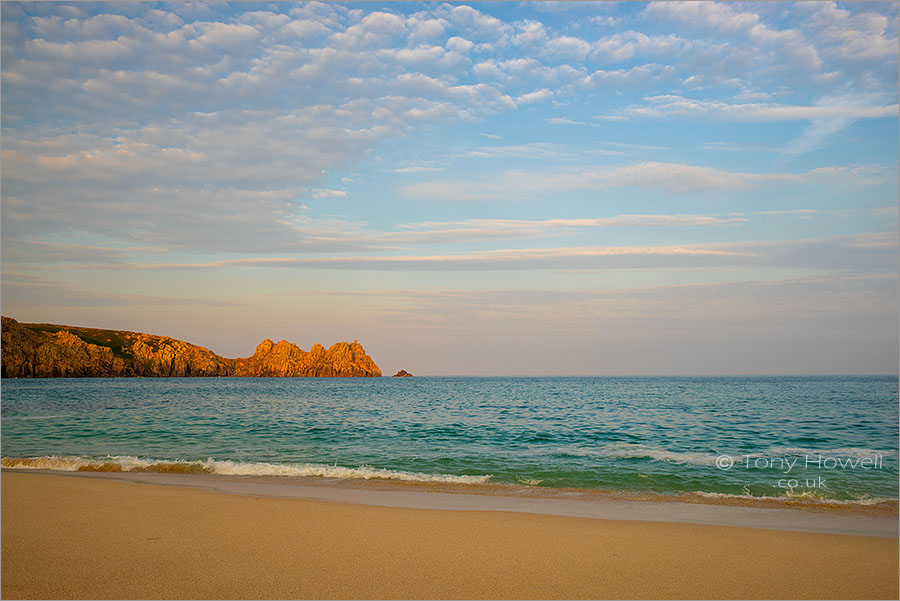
(815, 437)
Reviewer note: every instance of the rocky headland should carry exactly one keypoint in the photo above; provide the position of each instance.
(40, 350)
(402, 374)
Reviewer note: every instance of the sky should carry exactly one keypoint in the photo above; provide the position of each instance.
(670, 188)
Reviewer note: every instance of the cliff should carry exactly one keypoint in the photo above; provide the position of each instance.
(31, 350)
(341, 360)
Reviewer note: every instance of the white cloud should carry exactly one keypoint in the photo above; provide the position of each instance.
(750, 96)
(636, 75)
(423, 29)
(680, 179)
(717, 16)
(845, 107)
(452, 232)
(158, 96)
(304, 29)
(442, 231)
(375, 30)
(459, 44)
(90, 50)
(329, 193)
(537, 96)
(418, 55)
(534, 150)
(265, 20)
(451, 191)
(565, 121)
(799, 212)
(629, 44)
(417, 169)
(181, 165)
(873, 253)
(674, 178)
(523, 72)
(827, 116)
(226, 36)
(568, 48)
(383, 23)
(794, 50)
(837, 114)
(857, 35)
(188, 185)
(530, 32)
(524, 258)
(606, 21)
(479, 26)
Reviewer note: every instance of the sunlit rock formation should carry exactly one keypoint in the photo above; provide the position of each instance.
(46, 351)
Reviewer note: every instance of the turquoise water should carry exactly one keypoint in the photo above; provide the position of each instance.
(814, 437)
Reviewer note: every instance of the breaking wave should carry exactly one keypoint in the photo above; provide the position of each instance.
(233, 468)
(624, 450)
(810, 496)
(853, 452)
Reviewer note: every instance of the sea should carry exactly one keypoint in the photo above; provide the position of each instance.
(825, 439)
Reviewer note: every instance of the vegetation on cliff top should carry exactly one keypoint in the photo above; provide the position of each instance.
(116, 341)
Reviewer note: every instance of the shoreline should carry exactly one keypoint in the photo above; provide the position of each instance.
(798, 515)
(104, 536)
(475, 484)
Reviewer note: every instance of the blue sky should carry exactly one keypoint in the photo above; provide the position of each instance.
(498, 188)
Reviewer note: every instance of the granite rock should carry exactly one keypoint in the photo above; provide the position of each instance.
(49, 350)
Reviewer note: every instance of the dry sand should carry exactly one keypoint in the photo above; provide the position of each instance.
(69, 537)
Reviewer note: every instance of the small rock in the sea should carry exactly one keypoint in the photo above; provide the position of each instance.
(403, 374)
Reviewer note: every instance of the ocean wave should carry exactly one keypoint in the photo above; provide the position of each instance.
(528, 481)
(364, 472)
(624, 450)
(30, 417)
(853, 452)
(232, 468)
(792, 496)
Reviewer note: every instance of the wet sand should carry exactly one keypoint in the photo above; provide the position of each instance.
(81, 537)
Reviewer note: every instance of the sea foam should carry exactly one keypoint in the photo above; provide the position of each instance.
(624, 450)
(789, 496)
(120, 463)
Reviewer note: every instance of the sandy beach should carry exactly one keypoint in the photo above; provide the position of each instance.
(78, 537)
